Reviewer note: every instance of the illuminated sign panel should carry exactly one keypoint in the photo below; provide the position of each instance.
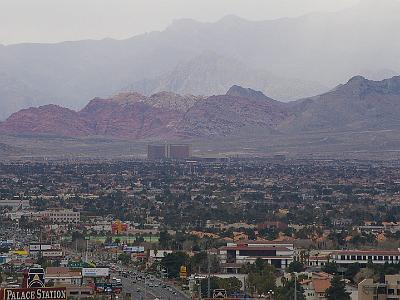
(95, 272)
(35, 294)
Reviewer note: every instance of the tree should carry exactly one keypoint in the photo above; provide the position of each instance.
(261, 276)
(337, 290)
(76, 235)
(365, 273)
(286, 292)
(164, 239)
(125, 258)
(231, 285)
(173, 261)
(108, 240)
(199, 262)
(331, 268)
(295, 267)
(214, 284)
(352, 271)
(262, 283)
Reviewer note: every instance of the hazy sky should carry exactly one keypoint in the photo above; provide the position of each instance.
(60, 20)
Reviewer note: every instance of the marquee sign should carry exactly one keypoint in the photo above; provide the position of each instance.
(35, 278)
(50, 293)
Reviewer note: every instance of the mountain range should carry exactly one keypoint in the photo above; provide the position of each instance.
(360, 104)
(288, 58)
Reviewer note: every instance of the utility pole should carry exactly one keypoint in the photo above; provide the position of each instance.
(295, 286)
(145, 288)
(87, 246)
(209, 277)
(200, 290)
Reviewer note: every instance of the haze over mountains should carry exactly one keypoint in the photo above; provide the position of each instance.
(358, 105)
(287, 59)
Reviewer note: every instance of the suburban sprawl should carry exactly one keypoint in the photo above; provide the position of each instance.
(271, 228)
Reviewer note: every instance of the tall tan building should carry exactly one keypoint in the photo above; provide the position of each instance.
(156, 152)
(178, 151)
(389, 290)
(170, 151)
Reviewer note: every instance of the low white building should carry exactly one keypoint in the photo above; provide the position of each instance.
(346, 257)
(234, 255)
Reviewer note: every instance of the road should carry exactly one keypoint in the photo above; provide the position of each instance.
(154, 290)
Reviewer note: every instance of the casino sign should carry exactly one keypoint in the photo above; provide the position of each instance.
(50, 293)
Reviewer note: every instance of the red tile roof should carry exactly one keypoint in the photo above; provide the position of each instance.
(320, 285)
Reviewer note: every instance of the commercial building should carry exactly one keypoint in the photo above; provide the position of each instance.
(156, 152)
(15, 204)
(388, 290)
(234, 255)
(176, 151)
(170, 151)
(62, 216)
(61, 276)
(346, 257)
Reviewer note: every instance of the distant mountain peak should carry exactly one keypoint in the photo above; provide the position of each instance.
(128, 96)
(165, 94)
(231, 19)
(357, 79)
(390, 85)
(238, 91)
(186, 23)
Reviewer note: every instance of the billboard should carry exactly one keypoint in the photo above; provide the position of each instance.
(35, 247)
(118, 227)
(50, 293)
(133, 249)
(95, 272)
(80, 264)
